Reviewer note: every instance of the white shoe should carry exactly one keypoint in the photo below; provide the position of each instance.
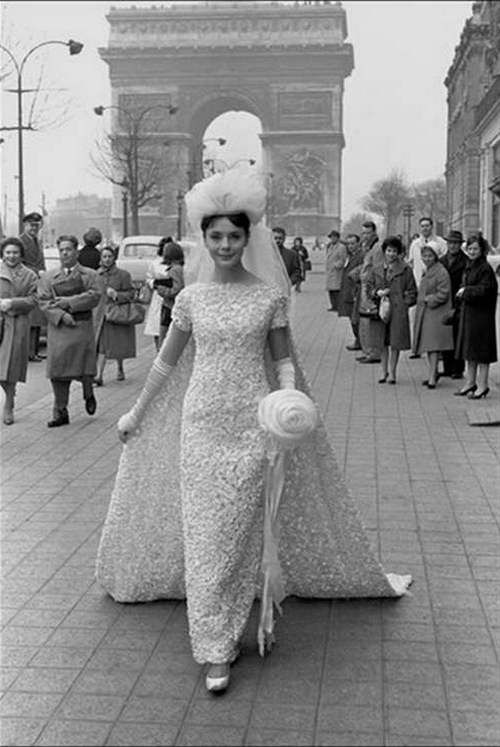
(217, 678)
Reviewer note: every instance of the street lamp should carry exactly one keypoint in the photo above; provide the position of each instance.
(135, 120)
(74, 47)
(408, 210)
(125, 186)
(180, 200)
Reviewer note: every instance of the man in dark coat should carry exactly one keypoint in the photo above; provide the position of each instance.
(349, 286)
(89, 255)
(289, 257)
(34, 260)
(455, 261)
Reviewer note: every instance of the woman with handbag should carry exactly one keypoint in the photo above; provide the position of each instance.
(393, 285)
(431, 335)
(477, 297)
(114, 341)
(17, 299)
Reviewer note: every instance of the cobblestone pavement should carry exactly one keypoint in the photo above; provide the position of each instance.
(80, 669)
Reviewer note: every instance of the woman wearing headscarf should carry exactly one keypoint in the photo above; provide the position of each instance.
(192, 524)
(431, 335)
(17, 299)
(477, 298)
(114, 341)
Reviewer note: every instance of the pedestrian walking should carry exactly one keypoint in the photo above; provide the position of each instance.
(290, 258)
(192, 522)
(431, 335)
(67, 296)
(89, 255)
(114, 341)
(304, 262)
(169, 286)
(477, 296)
(156, 270)
(393, 280)
(17, 300)
(426, 237)
(455, 261)
(335, 259)
(348, 286)
(34, 260)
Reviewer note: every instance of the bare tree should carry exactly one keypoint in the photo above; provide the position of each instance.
(128, 161)
(429, 198)
(387, 197)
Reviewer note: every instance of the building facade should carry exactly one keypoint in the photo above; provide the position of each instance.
(284, 63)
(473, 143)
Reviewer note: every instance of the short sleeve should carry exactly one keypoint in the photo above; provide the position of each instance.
(181, 312)
(280, 312)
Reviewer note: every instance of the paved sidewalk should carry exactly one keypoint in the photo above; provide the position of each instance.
(79, 669)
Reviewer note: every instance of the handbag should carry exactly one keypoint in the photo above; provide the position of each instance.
(126, 314)
(384, 310)
(145, 294)
(307, 264)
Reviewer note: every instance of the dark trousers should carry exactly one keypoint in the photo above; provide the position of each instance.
(34, 341)
(355, 331)
(61, 391)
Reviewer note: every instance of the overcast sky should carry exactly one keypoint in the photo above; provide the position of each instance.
(394, 102)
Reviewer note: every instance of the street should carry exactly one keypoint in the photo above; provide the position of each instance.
(80, 669)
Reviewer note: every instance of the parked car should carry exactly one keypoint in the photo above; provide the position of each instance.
(135, 254)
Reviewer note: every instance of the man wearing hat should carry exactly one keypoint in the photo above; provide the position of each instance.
(34, 260)
(454, 260)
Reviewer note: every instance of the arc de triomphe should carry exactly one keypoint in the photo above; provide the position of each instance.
(283, 62)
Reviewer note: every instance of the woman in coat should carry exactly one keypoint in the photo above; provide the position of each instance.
(17, 299)
(393, 279)
(476, 341)
(433, 305)
(156, 270)
(114, 340)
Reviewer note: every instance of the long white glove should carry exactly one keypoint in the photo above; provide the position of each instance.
(285, 372)
(130, 422)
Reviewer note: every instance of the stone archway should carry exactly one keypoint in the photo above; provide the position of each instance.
(286, 64)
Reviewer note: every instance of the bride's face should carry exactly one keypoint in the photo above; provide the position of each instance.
(225, 243)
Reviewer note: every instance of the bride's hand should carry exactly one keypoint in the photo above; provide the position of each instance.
(128, 426)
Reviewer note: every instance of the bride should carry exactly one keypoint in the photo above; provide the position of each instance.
(187, 513)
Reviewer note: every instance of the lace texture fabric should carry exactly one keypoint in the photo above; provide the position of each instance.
(186, 513)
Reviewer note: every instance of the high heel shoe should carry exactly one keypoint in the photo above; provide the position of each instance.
(383, 379)
(391, 381)
(479, 395)
(464, 392)
(217, 678)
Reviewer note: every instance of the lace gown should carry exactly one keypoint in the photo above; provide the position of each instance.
(186, 514)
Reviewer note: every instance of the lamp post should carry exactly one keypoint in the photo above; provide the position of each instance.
(74, 48)
(180, 200)
(135, 121)
(408, 210)
(125, 186)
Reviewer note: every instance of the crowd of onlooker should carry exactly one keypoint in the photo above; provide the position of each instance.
(438, 297)
(88, 305)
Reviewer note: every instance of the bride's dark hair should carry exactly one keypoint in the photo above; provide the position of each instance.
(240, 220)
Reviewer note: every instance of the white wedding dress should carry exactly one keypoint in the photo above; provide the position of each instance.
(186, 514)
